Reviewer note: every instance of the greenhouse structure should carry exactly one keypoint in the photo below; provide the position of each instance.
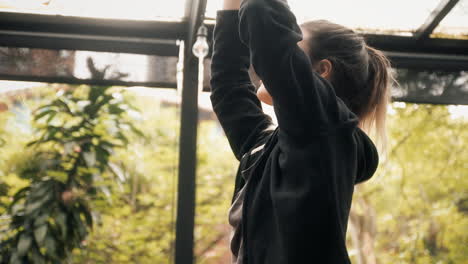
(161, 49)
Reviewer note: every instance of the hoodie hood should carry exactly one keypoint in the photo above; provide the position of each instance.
(368, 157)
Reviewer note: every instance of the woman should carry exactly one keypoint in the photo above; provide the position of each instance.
(295, 183)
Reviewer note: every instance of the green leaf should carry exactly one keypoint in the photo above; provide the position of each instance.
(31, 207)
(79, 226)
(115, 109)
(16, 208)
(90, 158)
(51, 116)
(40, 234)
(3, 189)
(58, 175)
(43, 108)
(117, 171)
(122, 137)
(40, 191)
(44, 113)
(82, 104)
(51, 246)
(106, 98)
(86, 213)
(61, 219)
(64, 106)
(15, 259)
(41, 220)
(94, 93)
(34, 142)
(136, 130)
(102, 155)
(36, 257)
(107, 145)
(34, 202)
(24, 244)
(21, 193)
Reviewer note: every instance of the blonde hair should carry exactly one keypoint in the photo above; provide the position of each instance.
(381, 78)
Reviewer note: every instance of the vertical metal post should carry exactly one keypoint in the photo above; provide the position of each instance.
(187, 164)
(185, 223)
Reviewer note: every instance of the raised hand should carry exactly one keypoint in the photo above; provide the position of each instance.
(231, 4)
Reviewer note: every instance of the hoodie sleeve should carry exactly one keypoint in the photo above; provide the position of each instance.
(305, 103)
(368, 157)
(233, 96)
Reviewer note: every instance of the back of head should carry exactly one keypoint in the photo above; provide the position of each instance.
(361, 75)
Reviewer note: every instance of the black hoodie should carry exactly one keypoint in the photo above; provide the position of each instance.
(300, 184)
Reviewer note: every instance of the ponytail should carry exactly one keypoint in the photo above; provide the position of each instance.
(361, 74)
(380, 79)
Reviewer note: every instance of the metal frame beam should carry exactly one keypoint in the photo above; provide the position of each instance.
(424, 61)
(185, 223)
(60, 41)
(433, 101)
(395, 43)
(71, 80)
(157, 37)
(92, 26)
(434, 46)
(93, 34)
(435, 18)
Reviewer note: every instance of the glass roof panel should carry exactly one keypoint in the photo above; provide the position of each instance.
(81, 66)
(455, 24)
(117, 9)
(372, 16)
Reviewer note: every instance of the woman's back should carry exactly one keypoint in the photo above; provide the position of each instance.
(302, 214)
(294, 186)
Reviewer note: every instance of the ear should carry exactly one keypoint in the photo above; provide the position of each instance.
(324, 68)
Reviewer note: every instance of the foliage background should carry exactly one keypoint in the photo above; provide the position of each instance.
(413, 210)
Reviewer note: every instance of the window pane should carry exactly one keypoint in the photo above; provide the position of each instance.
(120, 9)
(455, 24)
(132, 200)
(87, 65)
(414, 208)
(215, 178)
(419, 188)
(438, 87)
(417, 86)
(381, 16)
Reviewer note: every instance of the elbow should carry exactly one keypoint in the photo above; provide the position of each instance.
(249, 14)
(251, 6)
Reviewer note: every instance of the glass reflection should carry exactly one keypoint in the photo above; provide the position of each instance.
(83, 64)
(120, 9)
(432, 86)
(362, 15)
(455, 24)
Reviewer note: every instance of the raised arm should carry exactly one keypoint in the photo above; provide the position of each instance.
(233, 95)
(305, 104)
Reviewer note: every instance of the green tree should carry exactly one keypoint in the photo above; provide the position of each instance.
(51, 215)
(414, 209)
(138, 227)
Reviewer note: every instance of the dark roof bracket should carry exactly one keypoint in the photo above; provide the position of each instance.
(435, 18)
